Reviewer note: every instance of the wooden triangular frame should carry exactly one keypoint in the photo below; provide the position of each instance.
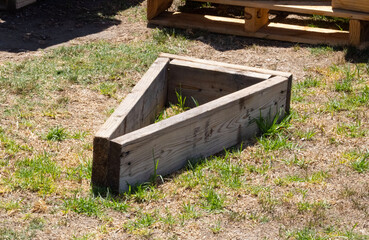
(128, 146)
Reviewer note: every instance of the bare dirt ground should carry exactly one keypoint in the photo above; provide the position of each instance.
(35, 30)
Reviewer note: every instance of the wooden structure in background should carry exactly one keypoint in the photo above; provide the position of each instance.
(128, 146)
(354, 5)
(14, 4)
(256, 22)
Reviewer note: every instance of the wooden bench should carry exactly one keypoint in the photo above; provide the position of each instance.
(256, 21)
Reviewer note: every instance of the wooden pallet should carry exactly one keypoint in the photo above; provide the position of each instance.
(256, 21)
(14, 4)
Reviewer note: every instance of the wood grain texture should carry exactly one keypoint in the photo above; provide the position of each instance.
(355, 5)
(138, 109)
(255, 18)
(251, 71)
(274, 31)
(206, 82)
(155, 7)
(306, 7)
(355, 32)
(199, 132)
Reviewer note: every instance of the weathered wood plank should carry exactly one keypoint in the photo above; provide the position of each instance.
(199, 132)
(219, 65)
(138, 109)
(274, 31)
(23, 3)
(206, 82)
(355, 5)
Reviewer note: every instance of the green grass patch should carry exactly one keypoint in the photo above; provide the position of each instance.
(146, 192)
(273, 132)
(10, 146)
(189, 211)
(99, 64)
(38, 174)
(305, 206)
(321, 50)
(11, 234)
(353, 130)
(216, 171)
(142, 221)
(315, 177)
(82, 171)
(359, 161)
(349, 102)
(309, 233)
(10, 205)
(94, 206)
(57, 134)
(214, 201)
(276, 142)
(309, 82)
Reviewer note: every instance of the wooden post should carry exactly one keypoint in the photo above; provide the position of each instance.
(155, 7)
(255, 18)
(355, 32)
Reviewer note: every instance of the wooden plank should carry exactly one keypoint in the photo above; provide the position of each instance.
(23, 3)
(15, 4)
(206, 82)
(255, 18)
(355, 5)
(199, 132)
(245, 69)
(274, 31)
(138, 109)
(155, 7)
(355, 32)
(306, 7)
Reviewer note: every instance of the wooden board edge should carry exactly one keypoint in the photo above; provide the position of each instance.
(207, 107)
(225, 65)
(289, 92)
(108, 129)
(218, 68)
(103, 169)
